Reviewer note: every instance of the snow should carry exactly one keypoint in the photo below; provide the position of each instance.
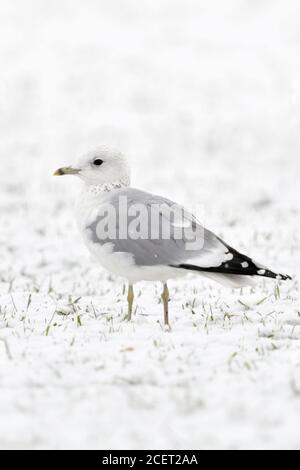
(204, 98)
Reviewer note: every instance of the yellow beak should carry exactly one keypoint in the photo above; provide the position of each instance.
(66, 171)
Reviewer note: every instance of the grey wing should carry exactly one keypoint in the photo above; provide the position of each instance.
(157, 231)
(185, 244)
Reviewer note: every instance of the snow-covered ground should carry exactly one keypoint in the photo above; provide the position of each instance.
(204, 96)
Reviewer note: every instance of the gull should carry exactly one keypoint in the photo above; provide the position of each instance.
(110, 214)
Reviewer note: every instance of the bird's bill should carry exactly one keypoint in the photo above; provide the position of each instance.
(66, 171)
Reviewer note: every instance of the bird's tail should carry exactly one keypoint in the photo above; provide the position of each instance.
(255, 270)
(240, 270)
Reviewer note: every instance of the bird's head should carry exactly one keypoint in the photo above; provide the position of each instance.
(100, 166)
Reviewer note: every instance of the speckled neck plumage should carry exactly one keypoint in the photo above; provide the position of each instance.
(107, 187)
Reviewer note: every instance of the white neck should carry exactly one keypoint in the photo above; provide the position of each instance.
(106, 187)
(90, 197)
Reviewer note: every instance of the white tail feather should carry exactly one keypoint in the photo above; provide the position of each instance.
(231, 280)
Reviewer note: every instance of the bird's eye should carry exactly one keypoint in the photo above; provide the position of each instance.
(98, 162)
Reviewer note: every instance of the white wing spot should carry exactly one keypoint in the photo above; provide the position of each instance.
(245, 265)
(261, 272)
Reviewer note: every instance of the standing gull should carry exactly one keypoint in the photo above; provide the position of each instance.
(139, 236)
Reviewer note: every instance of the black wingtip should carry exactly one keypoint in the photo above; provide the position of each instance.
(284, 277)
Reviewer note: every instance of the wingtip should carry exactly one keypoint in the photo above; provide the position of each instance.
(284, 277)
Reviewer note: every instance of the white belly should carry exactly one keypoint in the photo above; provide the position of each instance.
(122, 264)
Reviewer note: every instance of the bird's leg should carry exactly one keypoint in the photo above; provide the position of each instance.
(165, 298)
(130, 299)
